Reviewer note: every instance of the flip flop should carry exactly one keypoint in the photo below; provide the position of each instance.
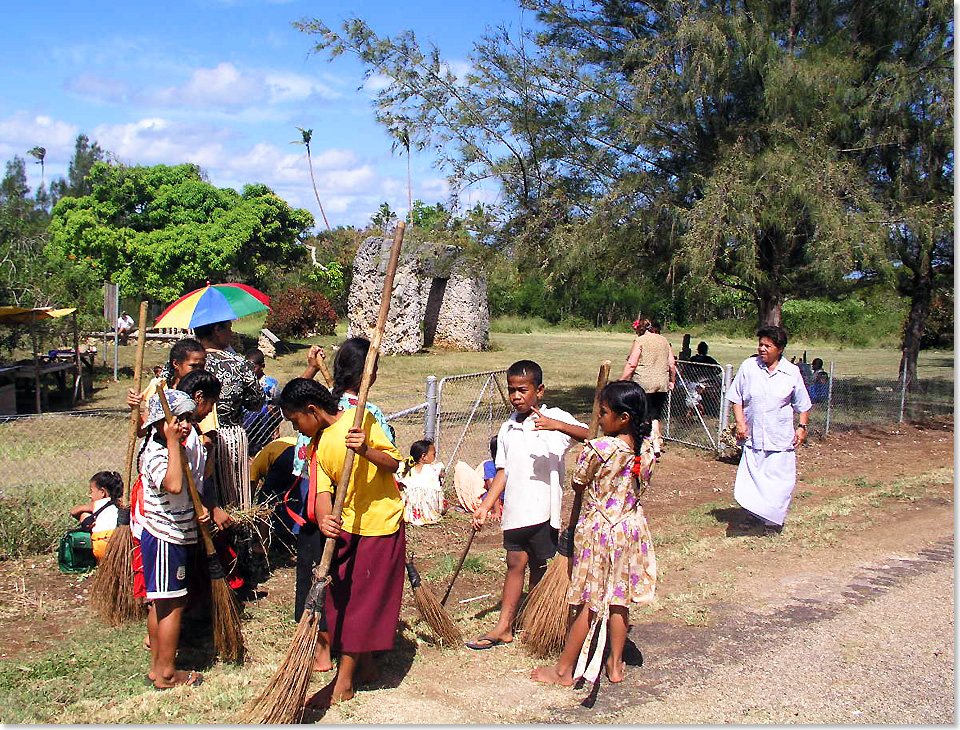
(485, 642)
(194, 679)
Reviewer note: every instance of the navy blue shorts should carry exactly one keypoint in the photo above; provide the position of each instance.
(164, 567)
(538, 541)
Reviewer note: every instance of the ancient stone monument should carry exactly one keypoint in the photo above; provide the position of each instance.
(439, 298)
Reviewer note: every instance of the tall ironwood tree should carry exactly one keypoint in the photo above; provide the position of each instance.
(784, 148)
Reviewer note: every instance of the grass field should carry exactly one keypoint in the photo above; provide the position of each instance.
(570, 359)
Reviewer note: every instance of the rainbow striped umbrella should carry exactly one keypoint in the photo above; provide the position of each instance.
(213, 303)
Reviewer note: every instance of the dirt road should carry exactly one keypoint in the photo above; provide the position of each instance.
(857, 628)
(845, 618)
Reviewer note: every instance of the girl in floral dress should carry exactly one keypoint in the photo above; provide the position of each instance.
(613, 562)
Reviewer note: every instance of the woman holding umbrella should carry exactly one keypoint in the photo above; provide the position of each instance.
(210, 312)
(240, 390)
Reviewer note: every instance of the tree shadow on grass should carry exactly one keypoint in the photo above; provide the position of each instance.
(577, 400)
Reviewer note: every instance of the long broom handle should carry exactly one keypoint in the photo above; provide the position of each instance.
(463, 556)
(328, 379)
(135, 413)
(188, 473)
(602, 377)
(368, 367)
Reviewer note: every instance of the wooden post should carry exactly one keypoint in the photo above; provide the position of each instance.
(36, 358)
(78, 383)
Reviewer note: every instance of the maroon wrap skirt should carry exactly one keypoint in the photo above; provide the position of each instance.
(362, 603)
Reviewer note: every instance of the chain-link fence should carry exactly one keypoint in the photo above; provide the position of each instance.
(61, 450)
(470, 412)
(695, 412)
(461, 413)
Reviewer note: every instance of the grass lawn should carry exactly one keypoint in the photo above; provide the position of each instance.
(570, 359)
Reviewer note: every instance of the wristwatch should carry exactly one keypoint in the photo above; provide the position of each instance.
(802, 425)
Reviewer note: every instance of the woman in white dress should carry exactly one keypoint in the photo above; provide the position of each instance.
(765, 394)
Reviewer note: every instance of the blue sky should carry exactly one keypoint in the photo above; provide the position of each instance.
(224, 85)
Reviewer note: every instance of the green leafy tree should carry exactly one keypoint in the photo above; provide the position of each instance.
(162, 231)
(77, 184)
(724, 144)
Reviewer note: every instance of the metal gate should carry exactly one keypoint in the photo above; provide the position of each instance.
(696, 410)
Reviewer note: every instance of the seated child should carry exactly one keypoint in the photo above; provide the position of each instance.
(99, 515)
(422, 485)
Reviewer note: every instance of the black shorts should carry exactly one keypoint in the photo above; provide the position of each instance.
(310, 543)
(655, 403)
(538, 541)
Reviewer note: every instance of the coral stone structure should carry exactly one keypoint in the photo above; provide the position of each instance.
(439, 298)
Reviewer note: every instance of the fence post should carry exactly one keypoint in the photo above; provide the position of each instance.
(903, 393)
(826, 429)
(724, 403)
(430, 419)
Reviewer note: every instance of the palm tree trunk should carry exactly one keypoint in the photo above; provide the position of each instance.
(316, 194)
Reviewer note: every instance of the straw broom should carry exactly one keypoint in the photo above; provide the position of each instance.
(227, 636)
(463, 556)
(111, 595)
(431, 609)
(282, 700)
(545, 615)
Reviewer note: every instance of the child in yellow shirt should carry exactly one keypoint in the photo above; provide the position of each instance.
(369, 532)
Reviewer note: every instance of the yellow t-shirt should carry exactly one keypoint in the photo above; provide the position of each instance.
(372, 505)
(267, 455)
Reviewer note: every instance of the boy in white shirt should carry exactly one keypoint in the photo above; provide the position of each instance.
(529, 463)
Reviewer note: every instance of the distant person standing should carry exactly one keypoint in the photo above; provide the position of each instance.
(702, 356)
(704, 370)
(766, 392)
(652, 365)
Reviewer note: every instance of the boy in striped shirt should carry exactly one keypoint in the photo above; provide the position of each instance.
(169, 529)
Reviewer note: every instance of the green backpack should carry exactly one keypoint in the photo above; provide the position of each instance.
(75, 554)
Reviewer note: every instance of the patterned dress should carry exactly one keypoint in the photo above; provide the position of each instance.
(613, 561)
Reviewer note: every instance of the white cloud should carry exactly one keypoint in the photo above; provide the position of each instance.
(459, 69)
(225, 86)
(23, 131)
(221, 86)
(154, 140)
(98, 87)
(375, 83)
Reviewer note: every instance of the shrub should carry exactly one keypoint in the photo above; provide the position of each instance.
(300, 312)
(32, 520)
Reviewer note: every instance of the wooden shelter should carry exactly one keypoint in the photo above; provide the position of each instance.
(43, 364)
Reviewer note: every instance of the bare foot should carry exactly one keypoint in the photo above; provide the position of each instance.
(191, 679)
(329, 696)
(322, 661)
(615, 671)
(550, 675)
(321, 658)
(367, 672)
(146, 643)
